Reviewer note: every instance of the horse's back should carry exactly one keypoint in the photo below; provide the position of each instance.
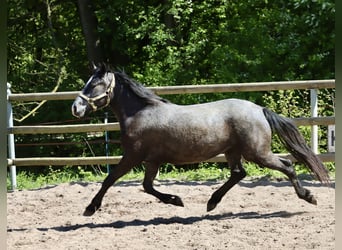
(211, 115)
(231, 110)
(191, 133)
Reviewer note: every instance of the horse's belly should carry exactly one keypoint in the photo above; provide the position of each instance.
(187, 159)
(187, 150)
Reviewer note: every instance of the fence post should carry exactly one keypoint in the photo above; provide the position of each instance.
(314, 112)
(11, 143)
(106, 140)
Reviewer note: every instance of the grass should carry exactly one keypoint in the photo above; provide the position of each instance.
(204, 172)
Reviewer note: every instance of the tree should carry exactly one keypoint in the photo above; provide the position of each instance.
(89, 26)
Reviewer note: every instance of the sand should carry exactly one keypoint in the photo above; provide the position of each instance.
(259, 214)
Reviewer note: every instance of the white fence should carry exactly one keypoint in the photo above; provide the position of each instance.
(12, 161)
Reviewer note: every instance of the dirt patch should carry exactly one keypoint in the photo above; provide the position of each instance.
(253, 215)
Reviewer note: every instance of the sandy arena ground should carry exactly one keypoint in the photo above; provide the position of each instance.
(253, 215)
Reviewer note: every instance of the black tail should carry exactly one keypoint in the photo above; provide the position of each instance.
(296, 145)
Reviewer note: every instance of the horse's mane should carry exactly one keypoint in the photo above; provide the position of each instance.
(148, 96)
(138, 89)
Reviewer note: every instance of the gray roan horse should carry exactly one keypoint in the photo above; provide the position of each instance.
(155, 131)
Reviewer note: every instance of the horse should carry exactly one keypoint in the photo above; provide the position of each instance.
(155, 131)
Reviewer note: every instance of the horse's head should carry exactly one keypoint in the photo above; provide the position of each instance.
(96, 94)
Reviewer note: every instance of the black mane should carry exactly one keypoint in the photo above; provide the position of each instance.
(138, 89)
(148, 96)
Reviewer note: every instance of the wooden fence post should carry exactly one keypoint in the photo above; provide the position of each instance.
(106, 141)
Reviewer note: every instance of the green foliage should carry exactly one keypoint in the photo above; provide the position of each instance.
(174, 42)
(53, 176)
(183, 42)
(202, 172)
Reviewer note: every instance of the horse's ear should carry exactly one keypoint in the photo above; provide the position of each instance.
(93, 66)
(103, 68)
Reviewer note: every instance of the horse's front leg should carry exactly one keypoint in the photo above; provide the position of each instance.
(151, 170)
(125, 165)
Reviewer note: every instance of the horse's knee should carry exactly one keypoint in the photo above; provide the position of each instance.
(238, 173)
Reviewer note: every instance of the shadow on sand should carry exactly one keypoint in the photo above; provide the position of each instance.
(172, 220)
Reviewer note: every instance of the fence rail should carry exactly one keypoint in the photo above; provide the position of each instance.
(12, 161)
(69, 161)
(191, 89)
(114, 126)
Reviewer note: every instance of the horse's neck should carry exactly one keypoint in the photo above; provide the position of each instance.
(125, 103)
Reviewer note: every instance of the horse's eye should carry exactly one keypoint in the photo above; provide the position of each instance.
(97, 83)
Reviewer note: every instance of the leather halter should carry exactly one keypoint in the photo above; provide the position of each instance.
(91, 100)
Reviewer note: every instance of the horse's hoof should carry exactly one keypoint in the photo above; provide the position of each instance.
(177, 201)
(211, 206)
(88, 213)
(90, 210)
(312, 200)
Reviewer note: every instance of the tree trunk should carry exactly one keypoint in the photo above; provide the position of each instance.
(89, 27)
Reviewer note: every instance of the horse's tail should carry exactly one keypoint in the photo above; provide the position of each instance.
(294, 142)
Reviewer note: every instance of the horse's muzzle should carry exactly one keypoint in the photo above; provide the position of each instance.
(78, 109)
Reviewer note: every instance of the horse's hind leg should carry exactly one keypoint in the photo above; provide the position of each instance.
(151, 171)
(285, 166)
(237, 173)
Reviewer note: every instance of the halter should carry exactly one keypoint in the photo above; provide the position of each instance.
(91, 100)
